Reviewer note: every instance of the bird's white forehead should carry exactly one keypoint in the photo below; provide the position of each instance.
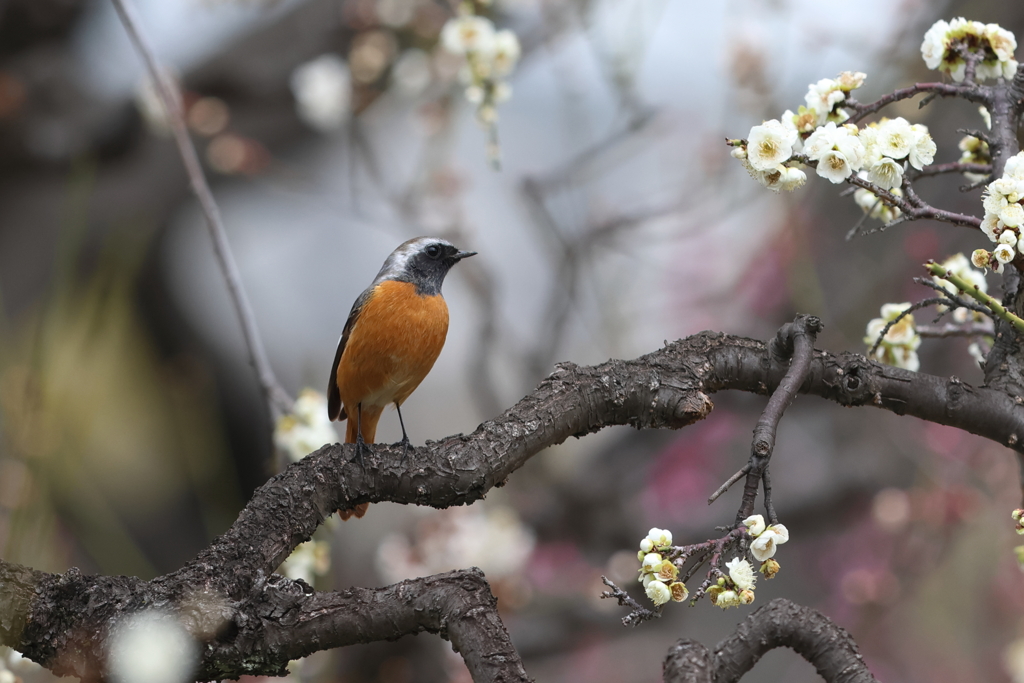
(396, 263)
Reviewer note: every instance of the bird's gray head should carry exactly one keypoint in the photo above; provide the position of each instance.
(423, 261)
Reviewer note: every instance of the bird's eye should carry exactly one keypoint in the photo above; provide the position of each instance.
(433, 251)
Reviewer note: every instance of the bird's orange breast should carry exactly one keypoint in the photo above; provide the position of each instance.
(392, 346)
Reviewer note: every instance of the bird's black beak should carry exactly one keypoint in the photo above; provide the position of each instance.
(462, 254)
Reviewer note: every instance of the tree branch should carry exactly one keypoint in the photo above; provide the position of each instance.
(69, 615)
(794, 341)
(277, 399)
(780, 623)
(970, 92)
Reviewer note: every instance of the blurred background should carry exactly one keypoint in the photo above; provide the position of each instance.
(131, 426)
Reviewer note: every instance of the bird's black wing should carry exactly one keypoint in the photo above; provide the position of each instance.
(334, 408)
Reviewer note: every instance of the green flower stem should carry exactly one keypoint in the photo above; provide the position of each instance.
(972, 291)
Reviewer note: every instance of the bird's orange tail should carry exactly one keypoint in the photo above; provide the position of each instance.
(367, 420)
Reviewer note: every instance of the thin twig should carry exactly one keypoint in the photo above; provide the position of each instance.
(728, 484)
(903, 314)
(277, 399)
(972, 93)
(955, 330)
(952, 167)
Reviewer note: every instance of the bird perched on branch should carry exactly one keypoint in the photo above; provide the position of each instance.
(393, 335)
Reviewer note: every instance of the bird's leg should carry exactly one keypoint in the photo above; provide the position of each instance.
(405, 437)
(360, 444)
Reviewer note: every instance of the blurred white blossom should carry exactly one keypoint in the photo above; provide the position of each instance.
(306, 428)
(899, 346)
(491, 538)
(151, 647)
(323, 92)
(308, 561)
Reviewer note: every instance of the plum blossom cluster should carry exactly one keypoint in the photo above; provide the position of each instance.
(490, 56)
(767, 539)
(899, 345)
(1004, 217)
(878, 152)
(660, 563)
(947, 45)
(735, 588)
(658, 574)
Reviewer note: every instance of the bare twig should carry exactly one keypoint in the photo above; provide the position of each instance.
(277, 399)
(970, 329)
(728, 484)
(638, 614)
(952, 167)
(971, 92)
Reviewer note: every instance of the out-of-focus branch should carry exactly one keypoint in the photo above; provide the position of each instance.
(780, 623)
(277, 399)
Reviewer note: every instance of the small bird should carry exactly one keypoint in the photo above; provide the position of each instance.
(391, 339)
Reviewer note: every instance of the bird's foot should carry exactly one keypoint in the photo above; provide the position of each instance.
(360, 447)
(405, 449)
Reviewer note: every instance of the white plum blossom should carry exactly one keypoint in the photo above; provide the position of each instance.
(944, 40)
(661, 538)
(1003, 221)
(727, 599)
(651, 561)
(886, 173)
(838, 151)
(468, 33)
(755, 525)
(792, 178)
(1004, 253)
(741, 573)
(894, 137)
(922, 147)
(764, 546)
(658, 592)
(322, 89)
(506, 52)
(770, 144)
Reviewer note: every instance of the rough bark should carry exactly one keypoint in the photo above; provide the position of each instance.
(780, 623)
(252, 621)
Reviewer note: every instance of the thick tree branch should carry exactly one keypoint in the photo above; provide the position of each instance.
(780, 623)
(69, 615)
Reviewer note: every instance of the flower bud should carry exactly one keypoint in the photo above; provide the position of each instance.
(746, 597)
